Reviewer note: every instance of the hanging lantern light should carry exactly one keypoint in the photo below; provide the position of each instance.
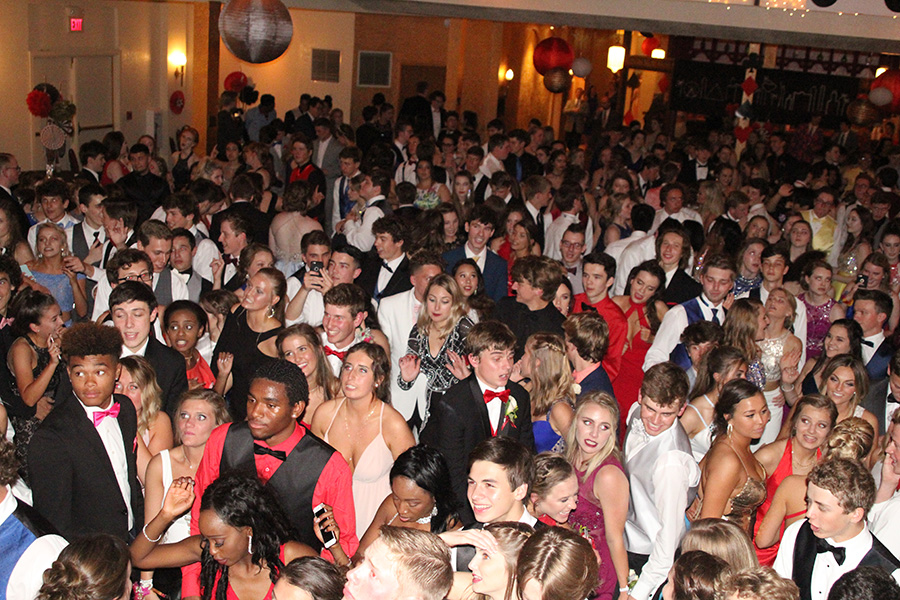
(615, 59)
(891, 80)
(552, 53)
(256, 31)
(557, 80)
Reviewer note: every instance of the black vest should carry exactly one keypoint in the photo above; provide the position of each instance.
(293, 482)
(805, 559)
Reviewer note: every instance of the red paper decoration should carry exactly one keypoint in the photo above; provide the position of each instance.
(176, 102)
(742, 134)
(38, 103)
(891, 80)
(749, 86)
(553, 53)
(663, 84)
(235, 81)
(649, 45)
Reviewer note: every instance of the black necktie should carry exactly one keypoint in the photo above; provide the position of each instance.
(840, 554)
(715, 312)
(385, 266)
(279, 454)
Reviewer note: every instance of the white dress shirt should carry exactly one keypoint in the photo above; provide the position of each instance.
(26, 577)
(826, 571)
(616, 248)
(685, 214)
(634, 254)
(111, 436)
(671, 328)
(336, 195)
(674, 472)
(88, 234)
(479, 258)
(139, 352)
(384, 275)
(556, 230)
(359, 232)
(869, 351)
(207, 252)
(494, 406)
(491, 165)
(320, 155)
(884, 522)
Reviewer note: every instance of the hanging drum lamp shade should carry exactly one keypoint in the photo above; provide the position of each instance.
(557, 80)
(256, 31)
(553, 53)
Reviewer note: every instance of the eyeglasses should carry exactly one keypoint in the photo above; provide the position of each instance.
(566, 244)
(146, 277)
(17, 169)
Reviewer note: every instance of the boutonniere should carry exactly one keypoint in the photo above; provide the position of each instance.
(576, 388)
(512, 410)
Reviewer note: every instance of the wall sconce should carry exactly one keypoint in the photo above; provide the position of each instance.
(658, 53)
(509, 75)
(615, 60)
(879, 71)
(178, 60)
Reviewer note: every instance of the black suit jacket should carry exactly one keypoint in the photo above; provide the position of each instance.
(876, 402)
(682, 288)
(689, 172)
(171, 373)
(72, 478)
(530, 165)
(459, 422)
(368, 278)
(524, 322)
(259, 223)
(88, 176)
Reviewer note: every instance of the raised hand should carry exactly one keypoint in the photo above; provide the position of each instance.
(225, 361)
(457, 365)
(179, 498)
(409, 367)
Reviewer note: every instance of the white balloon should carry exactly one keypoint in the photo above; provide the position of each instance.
(581, 67)
(881, 96)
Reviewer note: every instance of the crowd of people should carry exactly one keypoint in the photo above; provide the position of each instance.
(410, 360)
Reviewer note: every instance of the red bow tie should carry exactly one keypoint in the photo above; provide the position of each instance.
(489, 395)
(112, 411)
(331, 352)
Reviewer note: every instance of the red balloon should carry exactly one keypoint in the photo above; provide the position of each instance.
(553, 53)
(890, 79)
(235, 81)
(649, 45)
(663, 84)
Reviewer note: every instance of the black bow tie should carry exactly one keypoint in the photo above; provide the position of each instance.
(385, 266)
(868, 343)
(572, 270)
(279, 454)
(840, 554)
(230, 260)
(892, 400)
(585, 307)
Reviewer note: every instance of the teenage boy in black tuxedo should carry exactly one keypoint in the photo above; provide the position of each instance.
(871, 309)
(501, 473)
(133, 308)
(833, 539)
(482, 406)
(387, 271)
(82, 457)
(883, 399)
(535, 282)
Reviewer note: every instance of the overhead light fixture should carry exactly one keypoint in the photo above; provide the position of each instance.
(879, 71)
(509, 75)
(658, 53)
(615, 60)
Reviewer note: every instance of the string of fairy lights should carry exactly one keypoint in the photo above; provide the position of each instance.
(791, 7)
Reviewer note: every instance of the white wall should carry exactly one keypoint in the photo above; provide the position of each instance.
(289, 76)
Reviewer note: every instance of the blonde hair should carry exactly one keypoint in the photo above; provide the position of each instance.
(723, 539)
(741, 325)
(851, 439)
(551, 377)
(760, 583)
(422, 560)
(603, 400)
(215, 401)
(550, 469)
(59, 231)
(458, 308)
(792, 302)
(510, 539)
(563, 563)
(144, 375)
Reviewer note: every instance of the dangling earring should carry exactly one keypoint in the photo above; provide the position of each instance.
(271, 313)
(250, 544)
(730, 428)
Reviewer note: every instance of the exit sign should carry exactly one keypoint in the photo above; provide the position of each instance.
(75, 24)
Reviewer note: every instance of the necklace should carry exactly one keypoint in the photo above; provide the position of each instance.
(186, 459)
(364, 421)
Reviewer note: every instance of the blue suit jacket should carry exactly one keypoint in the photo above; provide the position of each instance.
(598, 379)
(877, 367)
(495, 271)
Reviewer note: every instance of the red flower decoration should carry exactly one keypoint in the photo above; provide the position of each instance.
(38, 103)
(742, 134)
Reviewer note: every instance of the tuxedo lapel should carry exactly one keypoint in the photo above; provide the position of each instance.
(480, 406)
(86, 432)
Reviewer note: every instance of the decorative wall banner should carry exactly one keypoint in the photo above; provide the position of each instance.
(786, 97)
